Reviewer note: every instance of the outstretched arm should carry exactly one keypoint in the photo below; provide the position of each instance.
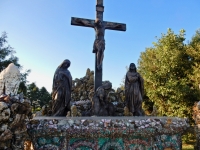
(115, 26)
(82, 22)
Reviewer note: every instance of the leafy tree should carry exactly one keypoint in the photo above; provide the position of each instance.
(193, 51)
(7, 57)
(38, 97)
(165, 68)
(6, 53)
(33, 93)
(23, 83)
(44, 96)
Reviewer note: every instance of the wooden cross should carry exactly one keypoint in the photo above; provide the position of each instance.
(99, 44)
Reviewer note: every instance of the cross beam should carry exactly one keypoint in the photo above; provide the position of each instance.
(99, 44)
(90, 23)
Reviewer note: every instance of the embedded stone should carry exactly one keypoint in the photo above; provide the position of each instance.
(6, 135)
(10, 80)
(3, 127)
(4, 112)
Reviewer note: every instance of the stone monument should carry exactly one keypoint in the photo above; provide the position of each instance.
(103, 132)
(9, 80)
(15, 110)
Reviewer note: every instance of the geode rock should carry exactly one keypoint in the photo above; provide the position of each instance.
(4, 112)
(6, 135)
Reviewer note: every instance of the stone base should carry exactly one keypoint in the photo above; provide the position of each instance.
(107, 133)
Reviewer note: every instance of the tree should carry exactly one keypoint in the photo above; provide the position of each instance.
(6, 53)
(33, 93)
(165, 68)
(23, 83)
(193, 50)
(44, 96)
(7, 57)
(38, 97)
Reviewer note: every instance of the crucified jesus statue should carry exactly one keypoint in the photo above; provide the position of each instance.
(99, 27)
(99, 43)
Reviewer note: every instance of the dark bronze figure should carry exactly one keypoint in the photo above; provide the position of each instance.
(101, 106)
(99, 103)
(99, 44)
(134, 91)
(61, 92)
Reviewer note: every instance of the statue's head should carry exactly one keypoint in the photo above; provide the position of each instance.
(65, 64)
(132, 67)
(98, 22)
(100, 92)
(107, 85)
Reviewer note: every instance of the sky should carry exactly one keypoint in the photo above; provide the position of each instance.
(41, 33)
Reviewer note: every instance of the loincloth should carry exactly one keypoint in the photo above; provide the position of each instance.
(99, 45)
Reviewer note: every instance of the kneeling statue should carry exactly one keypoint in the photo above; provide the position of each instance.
(100, 104)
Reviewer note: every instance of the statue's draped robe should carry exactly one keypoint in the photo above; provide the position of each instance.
(61, 94)
(134, 90)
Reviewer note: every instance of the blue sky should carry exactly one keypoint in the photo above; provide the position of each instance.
(41, 34)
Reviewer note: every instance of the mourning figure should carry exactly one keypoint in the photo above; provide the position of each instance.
(100, 103)
(61, 91)
(134, 90)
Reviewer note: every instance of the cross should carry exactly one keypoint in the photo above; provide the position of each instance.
(99, 44)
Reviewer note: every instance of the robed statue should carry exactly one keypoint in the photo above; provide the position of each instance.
(134, 91)
(61, 91)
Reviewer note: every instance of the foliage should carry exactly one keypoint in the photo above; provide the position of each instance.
(193, 50)
(44, 96)
(165, 68)
(7, 57)
(32, 93)
(23, 83)
(6, 53)
(38, 97)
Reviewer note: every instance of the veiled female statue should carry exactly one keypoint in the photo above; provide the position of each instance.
(61, 91)
(134, 90)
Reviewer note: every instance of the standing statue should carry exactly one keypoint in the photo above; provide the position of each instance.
(134, 91)
(61, 91)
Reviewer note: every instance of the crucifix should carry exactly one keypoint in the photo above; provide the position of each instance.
(99, 44)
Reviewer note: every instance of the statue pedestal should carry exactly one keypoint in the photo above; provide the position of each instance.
(104, 133)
